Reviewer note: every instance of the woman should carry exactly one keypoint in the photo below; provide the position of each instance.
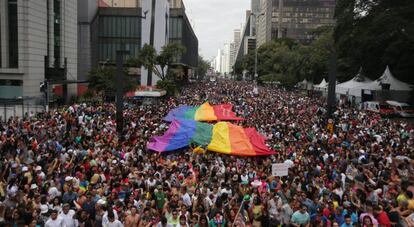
(202, 222)
(257, 212)
(367, 221)
(183, 221)
(56, 204)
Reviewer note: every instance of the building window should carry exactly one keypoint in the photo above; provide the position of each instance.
(13, 35)
(56, 32)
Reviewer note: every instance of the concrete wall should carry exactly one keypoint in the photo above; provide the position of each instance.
(70, 41)
(33, 40)
(87, 10)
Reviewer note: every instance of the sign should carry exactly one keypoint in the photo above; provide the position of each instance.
(280, 169)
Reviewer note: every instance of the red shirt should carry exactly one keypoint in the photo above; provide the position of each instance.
(383, 219)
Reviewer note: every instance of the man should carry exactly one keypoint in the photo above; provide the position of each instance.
(133, 218)
(67, 216)
(69, 197)
(112, 221)
(54, 221)
(186, 197)
(382, 217)
(348, 221)
(300, 217)
(173, 219)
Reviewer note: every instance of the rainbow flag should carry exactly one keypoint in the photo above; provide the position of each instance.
(222, 137)
(205, 112)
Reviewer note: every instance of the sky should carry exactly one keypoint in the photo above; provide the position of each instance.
(213, 22)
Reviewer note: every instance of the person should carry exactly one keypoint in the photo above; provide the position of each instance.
(173, 219)
(367, 221)
(112, 222)
(348, 221)
(382, 217)
(301, 217)
(67, 215)
(133, 218)
(72, 154)
(183, 221)
(54, 220)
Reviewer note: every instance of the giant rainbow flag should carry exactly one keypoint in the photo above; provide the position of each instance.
(205, 112)
(222, 137)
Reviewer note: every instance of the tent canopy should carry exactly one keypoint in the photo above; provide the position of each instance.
(354, 86)
(321, 86)
(388, 79)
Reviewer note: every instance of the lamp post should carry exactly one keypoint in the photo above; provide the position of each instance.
(255, 49)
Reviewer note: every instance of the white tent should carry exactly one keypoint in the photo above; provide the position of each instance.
(322, 86)
(388, 78)
(305, 84)
(354, 86)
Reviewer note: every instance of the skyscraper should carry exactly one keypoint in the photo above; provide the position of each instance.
(293, 18)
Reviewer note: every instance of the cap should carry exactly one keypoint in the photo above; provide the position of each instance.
(25, 169)
(33, 186)
(38, 168)
(246, 198)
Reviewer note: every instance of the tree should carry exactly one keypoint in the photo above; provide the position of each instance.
(202, 67)
(157, 62)
(373, 34)
(103, 81)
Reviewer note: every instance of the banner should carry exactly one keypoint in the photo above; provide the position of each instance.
(280, 169)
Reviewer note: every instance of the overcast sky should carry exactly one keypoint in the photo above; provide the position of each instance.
(213, 22)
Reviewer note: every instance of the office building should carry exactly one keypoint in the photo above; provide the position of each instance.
(38, 41)
(293, 18)
(129, 28)
(226, 59)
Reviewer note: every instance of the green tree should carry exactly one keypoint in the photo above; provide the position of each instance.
(103, 81)
(373, 34)
(202, 67)
(169, 86)
(157, 62)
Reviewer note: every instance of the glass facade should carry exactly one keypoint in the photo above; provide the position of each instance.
(301, 16)
(13, 34)
(56, 32)
(118, 33)
(176, 29)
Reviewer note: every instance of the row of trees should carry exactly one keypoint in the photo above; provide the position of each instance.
(102, 80)
(288, 61)
(368, 33)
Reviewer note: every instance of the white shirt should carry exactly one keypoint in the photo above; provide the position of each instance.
(187, 200)
(68, 219)
(116, 223)
(105, 220)
(55, 223)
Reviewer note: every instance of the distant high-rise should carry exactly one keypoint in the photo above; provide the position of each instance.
(237, 38)
(255, 9)
(293, 18)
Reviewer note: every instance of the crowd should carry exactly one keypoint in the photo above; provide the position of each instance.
(69, 167)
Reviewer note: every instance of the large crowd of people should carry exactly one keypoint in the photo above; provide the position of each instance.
(69, 168)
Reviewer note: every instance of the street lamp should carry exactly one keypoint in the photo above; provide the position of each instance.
(255, 51)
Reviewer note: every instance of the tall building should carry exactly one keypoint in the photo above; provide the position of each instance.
(226, 59)
(38, 41)
(219, 61)
(247, 41)
(128, 28)
(255, 9)
(293, 18)
(232, 55)
(236, 37)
